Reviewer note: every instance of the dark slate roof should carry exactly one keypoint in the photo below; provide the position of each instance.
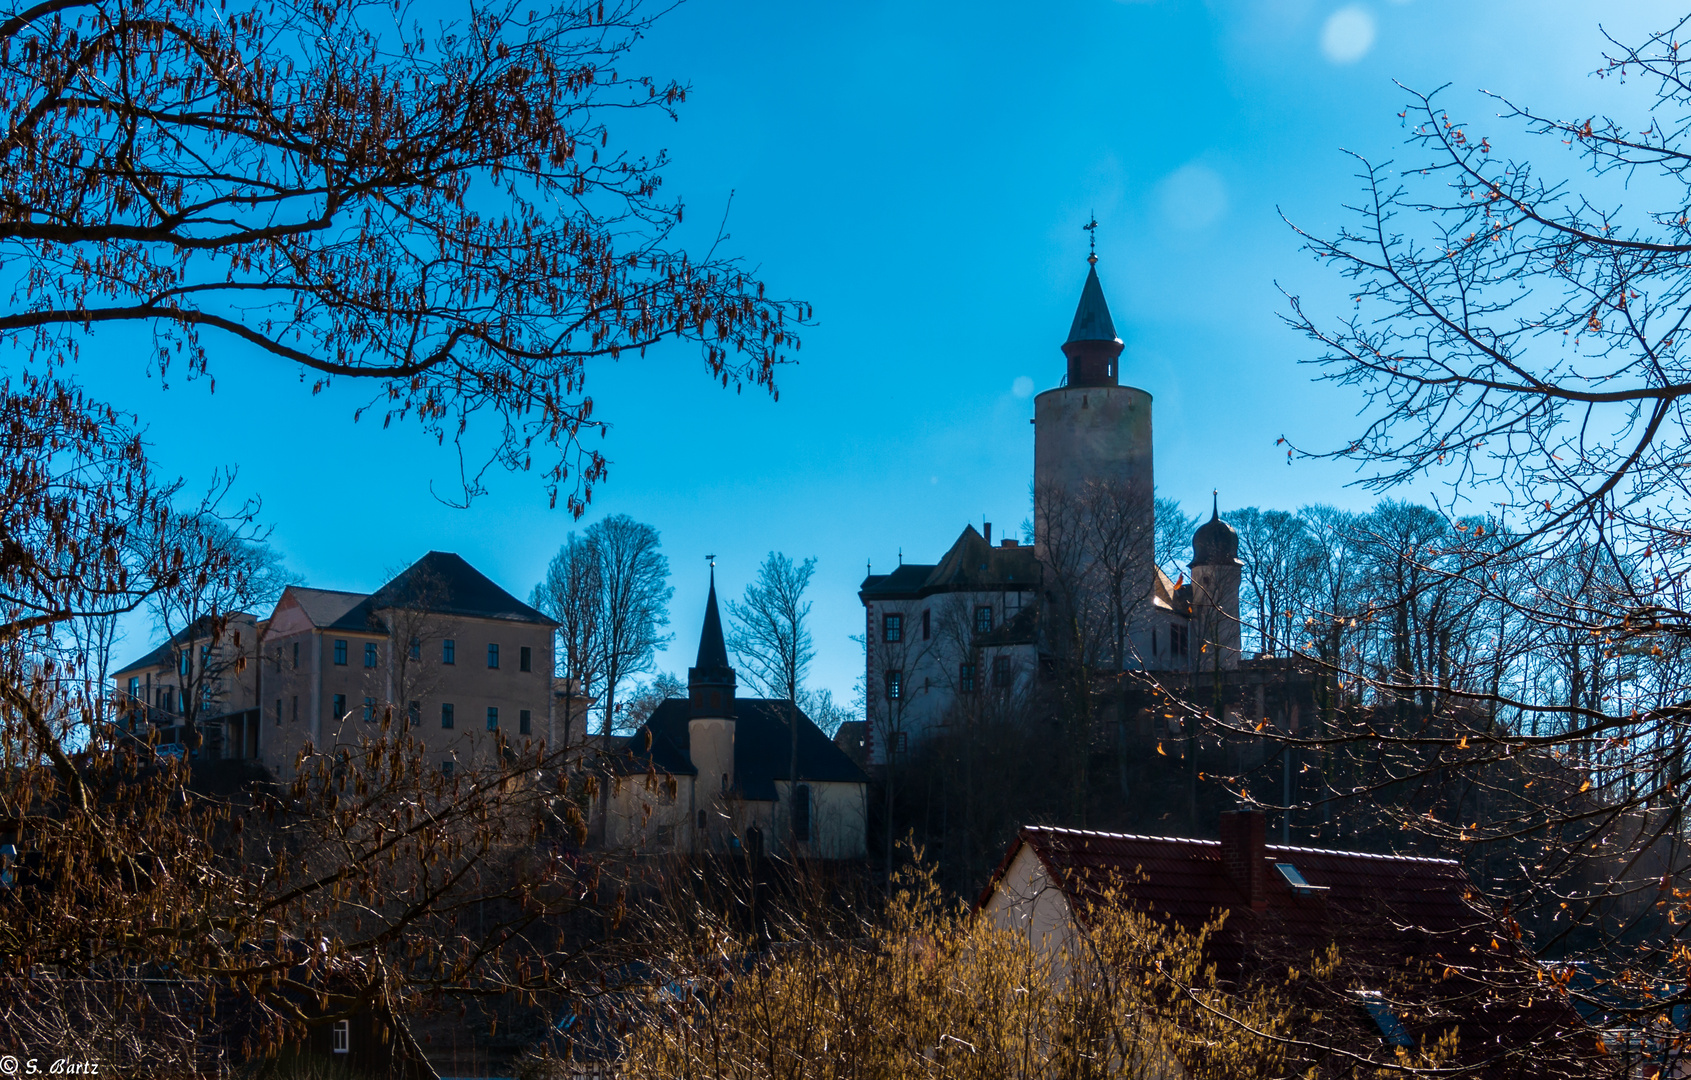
(1092, 320)
(762, 749)
(971, 564)
(905, 581)
(444, 583)
(323, 606)
(713, 651)
(1216, 543)
(1385, 913)
(162, 656)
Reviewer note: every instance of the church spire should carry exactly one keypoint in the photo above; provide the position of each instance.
(710, 681)
(713, 651)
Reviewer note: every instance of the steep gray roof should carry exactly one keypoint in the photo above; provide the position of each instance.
(440, 582)
(762, 747)
(323, 606)
(1092, 320)
(971, 565)
(713, 651)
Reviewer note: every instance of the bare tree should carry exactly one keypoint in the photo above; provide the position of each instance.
(634, 591)
(1174, 529)
(297, 178)
(1517, 333)
(572, 594)
(771, 639)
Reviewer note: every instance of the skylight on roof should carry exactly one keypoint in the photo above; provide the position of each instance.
(1294, 877)
(1375, 1004)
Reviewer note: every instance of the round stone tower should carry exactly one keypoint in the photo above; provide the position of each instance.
(1091, 435)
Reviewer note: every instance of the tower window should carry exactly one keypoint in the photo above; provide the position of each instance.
(895, 685)
(340, 652)
(492, 655)
(966, 678)
(493, 718)
(525, 659)
(1001, 671)
(370, 654)
(983, 619)
(892, 627)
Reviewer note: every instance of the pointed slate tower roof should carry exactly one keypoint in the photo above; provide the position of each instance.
(1092, 347)
(1092, 320)
(710, 681)
(713, 650)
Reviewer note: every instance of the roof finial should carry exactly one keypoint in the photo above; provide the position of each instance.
(1215, 506)
(1091, 228)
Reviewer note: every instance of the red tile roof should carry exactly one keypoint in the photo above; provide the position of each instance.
(1392, 917)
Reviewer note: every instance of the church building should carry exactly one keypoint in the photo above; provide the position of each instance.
(720, 773)
(978, 624)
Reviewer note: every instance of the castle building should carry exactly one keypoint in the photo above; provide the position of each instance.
(440, 652)
(718, 773)
(945, 640)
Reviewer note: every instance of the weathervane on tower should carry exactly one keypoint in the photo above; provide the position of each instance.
(1091, 228)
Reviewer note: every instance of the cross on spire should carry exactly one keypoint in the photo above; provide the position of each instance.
(1091, 228)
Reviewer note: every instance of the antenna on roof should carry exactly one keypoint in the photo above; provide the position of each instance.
(1091, 228)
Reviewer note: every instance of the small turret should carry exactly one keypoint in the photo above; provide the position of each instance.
(1216, 574)
(1092, 347)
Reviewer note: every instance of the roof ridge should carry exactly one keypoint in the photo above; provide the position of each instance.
(1056, 830)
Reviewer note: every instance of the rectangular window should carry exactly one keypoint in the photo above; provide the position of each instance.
(892, 627)
(1176, 640)
(414, 713)
(1001, 671)
(493, 718)
(983, 619)
(296, 655)
(343, 1036)
(134, 686)
(492, 655)
(416, 649)
(446, 716)
(340, 652)
(369, 710)
(449, 651)
(525, 659)
(369, 654)
(168, 698)
(185, 663)
(524, 723)
(966, 678)
(278, 711)
(340, 706)
(801, 812)
(446, 768)
(927, 628)
(296, 709)
(895, 685)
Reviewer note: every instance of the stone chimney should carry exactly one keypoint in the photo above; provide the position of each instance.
(1244, 854)
(988, 526)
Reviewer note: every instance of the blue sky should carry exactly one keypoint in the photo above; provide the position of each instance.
(920, 173)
